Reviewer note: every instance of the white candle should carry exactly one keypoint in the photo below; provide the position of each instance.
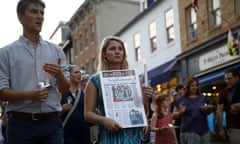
(145, 73)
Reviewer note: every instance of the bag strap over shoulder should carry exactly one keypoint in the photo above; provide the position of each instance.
(73, 108)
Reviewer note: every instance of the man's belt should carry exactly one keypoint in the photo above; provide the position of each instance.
(32, 116)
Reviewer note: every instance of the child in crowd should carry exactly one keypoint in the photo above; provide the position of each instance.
(161, 122)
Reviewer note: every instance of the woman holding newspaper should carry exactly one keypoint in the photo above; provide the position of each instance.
(112, 56)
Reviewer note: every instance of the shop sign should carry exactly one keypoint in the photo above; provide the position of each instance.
(214, 58)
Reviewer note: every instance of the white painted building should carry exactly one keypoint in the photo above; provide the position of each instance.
(153, 36)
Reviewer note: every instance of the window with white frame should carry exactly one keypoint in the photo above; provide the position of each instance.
(87, 68)
(94, 65)
(137, 46)
(76, 47)
(192, 23)
(216, 19)
(237, 7)
(80, 43)
(92, 32)
(143, 2)
(169, 19)
(153, 37)
(71, 55)
(86, 37)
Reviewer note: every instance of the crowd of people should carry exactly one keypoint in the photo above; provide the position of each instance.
(190, 110)
(52, 102)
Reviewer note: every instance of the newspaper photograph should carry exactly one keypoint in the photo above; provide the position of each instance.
(122, 97)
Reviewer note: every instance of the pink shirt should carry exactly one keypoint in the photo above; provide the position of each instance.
(165, 136)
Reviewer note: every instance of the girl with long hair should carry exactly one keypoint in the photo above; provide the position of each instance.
(161, 122)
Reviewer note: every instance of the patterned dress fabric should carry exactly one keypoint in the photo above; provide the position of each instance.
(124, 136)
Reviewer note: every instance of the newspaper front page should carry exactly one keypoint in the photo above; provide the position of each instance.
(122, 97)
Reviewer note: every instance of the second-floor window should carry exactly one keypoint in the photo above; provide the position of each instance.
(137, 47)
(169, 19)
(215, 13)
(76, 47)
(71, 55)
(144, 5)
(87, 68)
(94, 65)
(80, 43)
(153, 37)
(192, 23)
(92, 32)
(86, 37)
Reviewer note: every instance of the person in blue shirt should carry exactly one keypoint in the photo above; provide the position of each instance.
(76, 129)
(190, 107)
(32, 72)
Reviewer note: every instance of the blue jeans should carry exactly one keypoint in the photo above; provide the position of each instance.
(234, 135)
(193, 138)
(22, 131)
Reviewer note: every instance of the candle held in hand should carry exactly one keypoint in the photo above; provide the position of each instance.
(145, 73)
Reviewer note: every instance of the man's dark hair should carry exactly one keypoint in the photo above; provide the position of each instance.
(233, 71)
(238, 69)
(23, 4)
(178, 87)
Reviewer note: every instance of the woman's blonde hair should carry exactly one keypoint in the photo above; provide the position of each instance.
(102, 62)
